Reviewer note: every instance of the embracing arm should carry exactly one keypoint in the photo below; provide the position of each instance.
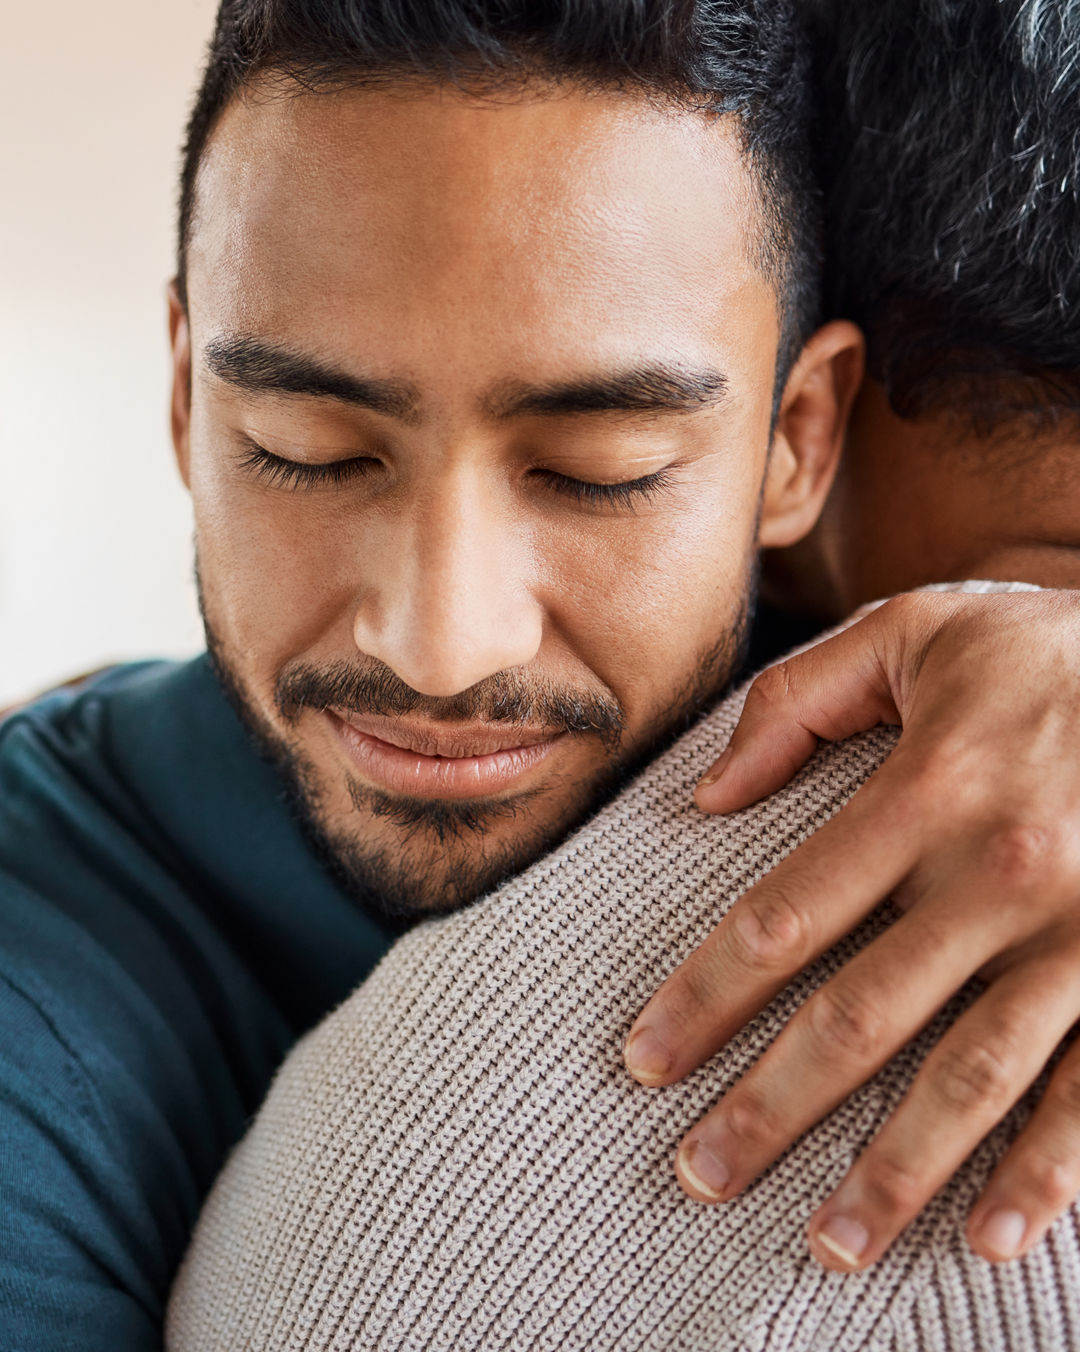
(972, 826)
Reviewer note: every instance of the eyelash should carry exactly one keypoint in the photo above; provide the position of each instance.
(609, 495)
(275, 469)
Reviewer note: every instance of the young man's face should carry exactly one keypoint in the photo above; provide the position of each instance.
(477, 437)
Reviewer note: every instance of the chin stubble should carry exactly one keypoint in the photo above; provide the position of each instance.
(446, 855)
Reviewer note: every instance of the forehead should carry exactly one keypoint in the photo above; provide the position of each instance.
(545, 217)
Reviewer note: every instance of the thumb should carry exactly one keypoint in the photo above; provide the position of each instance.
(833, 690)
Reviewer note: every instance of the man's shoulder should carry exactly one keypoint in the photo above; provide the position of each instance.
(87, 720)
(87, 741)
(120, 1089)
(154, 967)
(136, 806)
(69, 698)
(149, 875)
(95, 880)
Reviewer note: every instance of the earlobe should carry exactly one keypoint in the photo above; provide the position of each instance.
(809, 433)
(180, 409)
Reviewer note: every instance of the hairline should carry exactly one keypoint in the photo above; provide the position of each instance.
(771, 256)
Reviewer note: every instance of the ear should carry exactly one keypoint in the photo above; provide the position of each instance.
(809, 435)
(180, 409)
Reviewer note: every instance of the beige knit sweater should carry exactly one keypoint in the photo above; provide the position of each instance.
(456, 1158)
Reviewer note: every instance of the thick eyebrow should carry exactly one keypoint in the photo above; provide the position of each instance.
(644, 389)
(259, 367)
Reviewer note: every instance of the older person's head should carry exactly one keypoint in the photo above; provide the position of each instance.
(951, 173)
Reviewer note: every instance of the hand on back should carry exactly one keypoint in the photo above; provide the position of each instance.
(972, 826)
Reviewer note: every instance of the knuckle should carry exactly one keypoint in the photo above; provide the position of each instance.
(769, 929)
(843, 1019)
(897, 607)
(751, 1120)
(931, 788)
(974, 1078)
(1023, 855)
(1063, 1091)
(893, 1188)
(940, 778)
(771, 690)
(911, 612)
(1048, 1182)
(689, 993)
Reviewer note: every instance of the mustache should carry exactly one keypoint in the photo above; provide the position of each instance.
(505, 697)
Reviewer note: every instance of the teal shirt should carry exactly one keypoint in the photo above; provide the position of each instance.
(165, 935)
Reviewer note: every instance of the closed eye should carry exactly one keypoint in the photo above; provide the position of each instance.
(625, 494)
(278, 470)
(275, 469)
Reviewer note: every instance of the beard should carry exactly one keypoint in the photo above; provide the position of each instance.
(444, 855)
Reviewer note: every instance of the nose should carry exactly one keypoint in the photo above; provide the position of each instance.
(449, 602)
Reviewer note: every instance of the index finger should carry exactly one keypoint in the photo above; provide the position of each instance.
(801, 908)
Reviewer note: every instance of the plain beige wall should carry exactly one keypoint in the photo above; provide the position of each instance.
(95, 533)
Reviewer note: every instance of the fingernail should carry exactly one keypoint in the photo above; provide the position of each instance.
(703, 1170)
(717, 770)
(646, 1057)
(845, 1239)
(1003, 1232)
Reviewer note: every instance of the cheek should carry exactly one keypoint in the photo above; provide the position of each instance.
(644, 604)
(279, 571)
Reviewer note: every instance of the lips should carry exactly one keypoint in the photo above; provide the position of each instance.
(434, 761)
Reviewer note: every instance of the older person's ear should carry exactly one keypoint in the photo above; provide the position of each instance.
(809, 435)
(180, 408)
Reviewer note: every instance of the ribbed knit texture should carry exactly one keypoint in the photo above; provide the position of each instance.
(457, 1158)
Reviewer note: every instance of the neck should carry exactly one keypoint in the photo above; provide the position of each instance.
(926, 500)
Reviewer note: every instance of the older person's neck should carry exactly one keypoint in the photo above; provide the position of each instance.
(928, 500)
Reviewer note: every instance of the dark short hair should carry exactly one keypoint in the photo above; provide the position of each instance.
(747, 57)
(951, 140)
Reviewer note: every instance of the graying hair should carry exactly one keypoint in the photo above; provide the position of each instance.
(951, 133)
